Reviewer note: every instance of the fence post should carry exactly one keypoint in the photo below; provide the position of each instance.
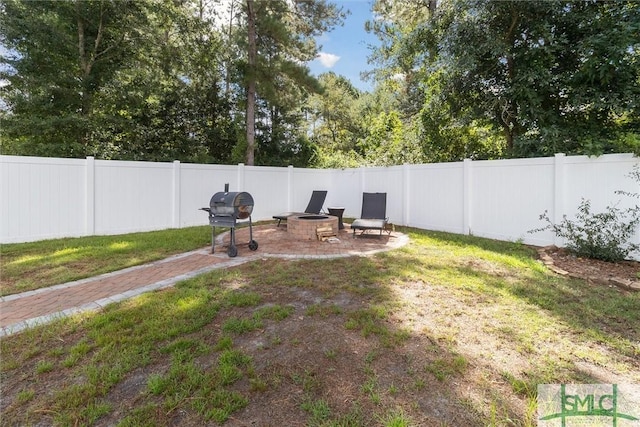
(240, 177)
(90, 196)
(558, 193)
(467, 212)
(289, 188)
(175, 215)
(406, 191)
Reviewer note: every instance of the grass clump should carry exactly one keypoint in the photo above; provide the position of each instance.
(318, 410)
(395, 418)
(443, 369)
(44, 366)
(239, 326)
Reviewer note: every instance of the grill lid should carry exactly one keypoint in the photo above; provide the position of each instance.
(234, 204)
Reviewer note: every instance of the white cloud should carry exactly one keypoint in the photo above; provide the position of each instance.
(328, 60)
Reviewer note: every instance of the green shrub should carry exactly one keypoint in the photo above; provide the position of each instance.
(605, 235)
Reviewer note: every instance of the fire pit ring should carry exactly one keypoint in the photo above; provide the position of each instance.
(304, 227)
(312, 217)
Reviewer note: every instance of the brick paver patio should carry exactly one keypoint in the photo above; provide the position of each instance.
(43, 305)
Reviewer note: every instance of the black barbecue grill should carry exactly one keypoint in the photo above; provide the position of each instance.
(225, 210)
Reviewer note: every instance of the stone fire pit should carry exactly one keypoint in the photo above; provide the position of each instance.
(304, 226)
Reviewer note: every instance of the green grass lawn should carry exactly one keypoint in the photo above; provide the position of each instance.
(29, 266)
(448, 331)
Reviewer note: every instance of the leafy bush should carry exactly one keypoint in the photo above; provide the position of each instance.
(605, 235)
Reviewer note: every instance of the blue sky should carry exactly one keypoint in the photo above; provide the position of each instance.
(344, 50)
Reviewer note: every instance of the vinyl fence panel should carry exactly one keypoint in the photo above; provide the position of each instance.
(43, 198)
(304, 182)
(346, 191)
(508, 196)
(598, 179)
(197, 184)
(269, 187)
(436, 197)
(385, 180)
(132, 196)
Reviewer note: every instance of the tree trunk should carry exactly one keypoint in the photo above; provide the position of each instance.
(508, 136)
(432, 5)
(87, 58)
(251, 84)
(228, 60)
(507, 117)
(85, 67)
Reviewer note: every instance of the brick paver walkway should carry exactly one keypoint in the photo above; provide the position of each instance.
(43, 305)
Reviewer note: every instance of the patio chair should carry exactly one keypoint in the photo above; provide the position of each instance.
(314, 206)
(374, 213)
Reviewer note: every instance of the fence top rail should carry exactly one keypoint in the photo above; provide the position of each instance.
(40, 160)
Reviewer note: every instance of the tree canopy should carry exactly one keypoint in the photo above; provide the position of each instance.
(549, 76)
(154, 80)
(226, 82)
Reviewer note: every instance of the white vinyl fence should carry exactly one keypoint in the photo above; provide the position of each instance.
(44, 198)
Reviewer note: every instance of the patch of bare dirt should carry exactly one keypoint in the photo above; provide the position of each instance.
(625, 274)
